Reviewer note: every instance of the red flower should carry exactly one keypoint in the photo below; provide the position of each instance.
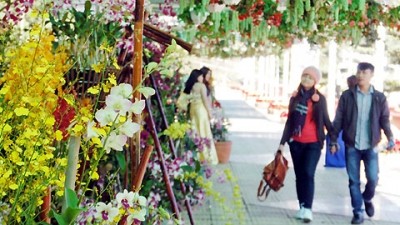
(63, 115)
(275, 19)
(217, 104)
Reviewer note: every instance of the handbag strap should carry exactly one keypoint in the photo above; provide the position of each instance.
(263, 191)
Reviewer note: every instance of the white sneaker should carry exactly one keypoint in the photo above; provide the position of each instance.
(307, 216)
(300, 214)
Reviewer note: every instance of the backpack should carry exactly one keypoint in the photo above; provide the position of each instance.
(273, 176)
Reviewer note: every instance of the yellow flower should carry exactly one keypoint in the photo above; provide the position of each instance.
(97, 141)
(77, 129)
(98, 67)
(21, 111)
(94, 175)
(50, 121)
(94, 90)
(7, 128)
(13, 186)
(60, 193)
(59, 135)
(106, 48)
(112, 79)
(115, 64)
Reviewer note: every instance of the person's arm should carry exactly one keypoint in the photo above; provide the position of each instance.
(332, 133)
(337, 124)
(384, 122)
(204, 98)
(286, 131)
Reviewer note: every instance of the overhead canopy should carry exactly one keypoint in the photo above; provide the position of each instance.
(247, 26)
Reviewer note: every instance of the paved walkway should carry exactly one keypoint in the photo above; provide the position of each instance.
(255, 137)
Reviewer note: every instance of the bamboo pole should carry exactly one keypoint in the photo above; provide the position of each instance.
(163, 37)
(137, 183)
(137, 79)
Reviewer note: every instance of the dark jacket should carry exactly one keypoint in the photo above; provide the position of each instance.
(346, 117)
(320, 116)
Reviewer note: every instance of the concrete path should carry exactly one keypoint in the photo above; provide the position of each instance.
(255, 136)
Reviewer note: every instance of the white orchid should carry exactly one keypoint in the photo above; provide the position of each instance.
(139, 199)
(118, 103)
(105, 116)
(91, 130)
(114, 141)
(129, 128)
(147, 91)
(125, 199)
(137, 107)
(137, 214)
(124, 90)
(105, 213)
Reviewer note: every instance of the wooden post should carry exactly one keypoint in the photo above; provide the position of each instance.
(137, 183)
(134, 146)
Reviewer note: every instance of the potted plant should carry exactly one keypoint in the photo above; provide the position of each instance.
(219, 129)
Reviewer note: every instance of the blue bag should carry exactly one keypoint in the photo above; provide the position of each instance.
(337, 159)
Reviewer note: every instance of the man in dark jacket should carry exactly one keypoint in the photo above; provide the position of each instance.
(361, 114)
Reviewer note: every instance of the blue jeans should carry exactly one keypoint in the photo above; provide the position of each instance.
(305, 157)
(353, 161)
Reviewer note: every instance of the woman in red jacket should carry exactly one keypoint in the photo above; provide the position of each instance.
(305, 133)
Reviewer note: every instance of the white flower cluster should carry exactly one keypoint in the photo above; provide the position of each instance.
(128, 205)
(116, 115)
(111, 10)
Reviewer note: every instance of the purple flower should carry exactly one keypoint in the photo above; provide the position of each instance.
(208, 171)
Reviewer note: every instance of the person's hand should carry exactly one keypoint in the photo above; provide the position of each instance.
(333, 147)
(390, 146)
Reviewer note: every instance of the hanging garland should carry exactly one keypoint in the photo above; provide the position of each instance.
(280, 22)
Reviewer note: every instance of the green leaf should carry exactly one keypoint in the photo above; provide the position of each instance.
(71, 198)
(164, 213)
(71, 214)
(151, 67)
(166, 72)
(88, 5)
(121, 161)
(198, 166)
(187, 168)
(60, 219)
(171, 47)
(67, 217)
(72, 209)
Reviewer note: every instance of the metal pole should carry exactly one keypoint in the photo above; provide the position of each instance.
(160, 154)
(171, 145)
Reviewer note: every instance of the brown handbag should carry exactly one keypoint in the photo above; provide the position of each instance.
(273, 176)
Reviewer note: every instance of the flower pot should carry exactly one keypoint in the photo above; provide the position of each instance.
(223, 151)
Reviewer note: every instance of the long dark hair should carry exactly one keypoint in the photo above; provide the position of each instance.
(192, 80)
(205, 70)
